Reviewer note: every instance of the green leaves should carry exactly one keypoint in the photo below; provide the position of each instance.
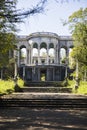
(7, 8)
(78, 26)
(7, 42)
(78, 16)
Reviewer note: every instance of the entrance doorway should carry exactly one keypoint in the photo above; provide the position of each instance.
(43, 74)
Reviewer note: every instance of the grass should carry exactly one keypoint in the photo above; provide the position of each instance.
(7, 87)
(82, 89)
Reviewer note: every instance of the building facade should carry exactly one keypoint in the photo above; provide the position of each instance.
(41, 59)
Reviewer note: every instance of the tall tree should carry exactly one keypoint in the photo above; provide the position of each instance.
(8, 17)
(78, 25)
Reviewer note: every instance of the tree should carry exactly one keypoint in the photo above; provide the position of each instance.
(8, 17)
(78, 25)
(9, 12)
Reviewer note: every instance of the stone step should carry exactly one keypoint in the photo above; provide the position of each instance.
(43, 84)
(58, 103)
(40, 100)
(48, 89)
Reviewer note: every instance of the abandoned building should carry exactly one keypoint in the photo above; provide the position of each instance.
(39, 56)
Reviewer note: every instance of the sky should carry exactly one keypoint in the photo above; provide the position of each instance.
(51, 19)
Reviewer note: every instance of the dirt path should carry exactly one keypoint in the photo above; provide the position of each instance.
(42, 119)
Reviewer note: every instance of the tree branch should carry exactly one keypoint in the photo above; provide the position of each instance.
(19, 15)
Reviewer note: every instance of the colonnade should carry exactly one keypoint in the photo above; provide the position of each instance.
(42, 40)
(30, 59)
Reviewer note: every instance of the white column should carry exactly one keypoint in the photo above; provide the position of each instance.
(27, 56)
(38, 54)
(47, 54)
(19, 53)
(56, 60)
(67, 52)
(31, 54)
(58, 55)
(55, 54)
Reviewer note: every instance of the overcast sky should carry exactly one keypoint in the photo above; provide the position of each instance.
(50, 20)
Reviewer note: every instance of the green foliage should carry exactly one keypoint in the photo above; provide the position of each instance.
(7, 87)
(63, 61)
(7, 10)
(82, 89)
(20, 82)
(7, 42)
(78, 26)
(8, 17)
(80, 53)
(7, 38)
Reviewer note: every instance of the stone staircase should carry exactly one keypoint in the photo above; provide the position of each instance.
(44, 100)
(42, 83)
(45, 96)
(49, 86)
(49, 89)
(44, 103)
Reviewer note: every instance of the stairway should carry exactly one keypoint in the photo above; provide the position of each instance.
(42, 83)
(45, 96)
(49, 89)
(44, 100)
(48, 86)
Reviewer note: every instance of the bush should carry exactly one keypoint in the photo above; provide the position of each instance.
(7, 86)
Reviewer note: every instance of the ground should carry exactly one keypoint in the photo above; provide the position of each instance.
(42, 119)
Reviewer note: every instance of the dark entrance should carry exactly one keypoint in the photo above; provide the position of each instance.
(43, 74)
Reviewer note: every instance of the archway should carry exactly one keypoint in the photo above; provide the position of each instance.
(23, 54)
(43, 53)
(62, 55)
(51, 53)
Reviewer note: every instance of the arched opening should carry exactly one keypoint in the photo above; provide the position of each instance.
(51, 50)
(35, 53)
(35, 45)
(43, 53)
(51, 45)
(51, 53)
(63, 55)
(23, 54)
(43, 45)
